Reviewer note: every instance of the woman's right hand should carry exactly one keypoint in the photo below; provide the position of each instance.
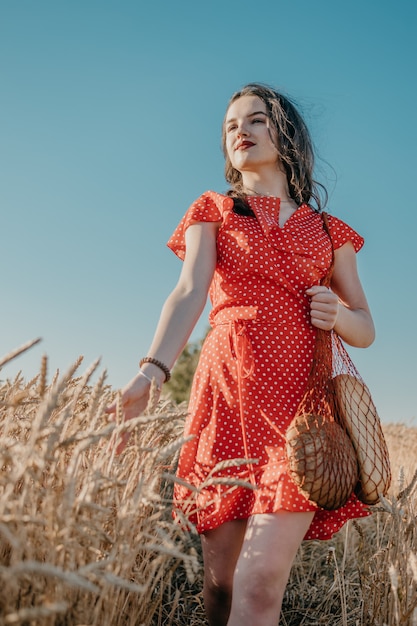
(134, 400)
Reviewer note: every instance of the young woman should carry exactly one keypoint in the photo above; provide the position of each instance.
(260, 251)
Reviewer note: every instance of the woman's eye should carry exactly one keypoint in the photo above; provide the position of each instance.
(258, 120)
(230, 128)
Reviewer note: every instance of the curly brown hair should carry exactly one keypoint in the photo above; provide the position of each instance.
(294, 145)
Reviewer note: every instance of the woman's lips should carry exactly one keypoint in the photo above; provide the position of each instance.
(244, 144)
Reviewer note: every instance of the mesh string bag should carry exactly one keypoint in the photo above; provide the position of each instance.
(354, 409)
(321, 458)
(335, 444)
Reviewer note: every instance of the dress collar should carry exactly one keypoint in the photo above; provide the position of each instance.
(266, 209)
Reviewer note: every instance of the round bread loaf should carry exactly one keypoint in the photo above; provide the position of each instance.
(355, 411)
(321, 460)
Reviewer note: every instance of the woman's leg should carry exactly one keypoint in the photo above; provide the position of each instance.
(263, 567)
(221, 549)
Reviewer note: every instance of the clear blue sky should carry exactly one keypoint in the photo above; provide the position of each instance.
(110, 127)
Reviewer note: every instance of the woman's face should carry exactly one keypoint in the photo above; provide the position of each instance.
(248, 134)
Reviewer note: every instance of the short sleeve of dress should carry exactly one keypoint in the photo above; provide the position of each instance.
(209, 207)
(342, 232)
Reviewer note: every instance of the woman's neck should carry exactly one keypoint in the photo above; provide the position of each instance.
(274, 185)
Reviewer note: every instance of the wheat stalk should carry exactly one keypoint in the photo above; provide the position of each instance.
(87, 536)
(15, 353)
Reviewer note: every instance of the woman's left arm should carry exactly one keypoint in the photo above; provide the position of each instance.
(343, 307)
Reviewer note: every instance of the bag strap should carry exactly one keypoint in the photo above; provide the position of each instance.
(321, 369)
(326, 280)
(321, 366)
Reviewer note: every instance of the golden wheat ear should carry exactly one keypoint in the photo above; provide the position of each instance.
(14, 353)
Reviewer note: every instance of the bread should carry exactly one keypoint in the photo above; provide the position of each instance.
(321, 460)
(355, 411)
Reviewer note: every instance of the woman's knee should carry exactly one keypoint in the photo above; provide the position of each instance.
(218, 578)
(218, 592)
(221, 549)
(262, 587)
(219, 586)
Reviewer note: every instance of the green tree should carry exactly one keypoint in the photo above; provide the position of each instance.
(179, 386)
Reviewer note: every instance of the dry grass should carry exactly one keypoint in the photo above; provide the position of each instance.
(87, 538)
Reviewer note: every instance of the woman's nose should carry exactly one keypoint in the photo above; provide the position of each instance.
(242, 129)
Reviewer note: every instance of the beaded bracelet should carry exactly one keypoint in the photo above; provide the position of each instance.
(162, 366)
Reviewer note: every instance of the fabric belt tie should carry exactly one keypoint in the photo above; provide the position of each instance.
(243, 353)
(242, 348)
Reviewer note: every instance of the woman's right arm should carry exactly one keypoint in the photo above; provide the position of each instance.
(179, 314)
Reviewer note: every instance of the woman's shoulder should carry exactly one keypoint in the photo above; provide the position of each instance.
(214, 196)
(211, 203)
(342, 232)
(210, 206)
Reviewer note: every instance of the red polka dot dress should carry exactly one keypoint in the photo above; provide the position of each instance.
(254, 363)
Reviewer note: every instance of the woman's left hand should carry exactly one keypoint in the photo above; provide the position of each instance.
(324, 307)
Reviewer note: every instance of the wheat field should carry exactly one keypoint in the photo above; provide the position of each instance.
(87, 537)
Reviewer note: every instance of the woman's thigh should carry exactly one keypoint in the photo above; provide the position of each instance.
(270, 544)
(221, 549)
